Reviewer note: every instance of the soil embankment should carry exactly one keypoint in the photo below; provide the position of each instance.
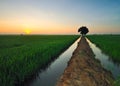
(84, 70)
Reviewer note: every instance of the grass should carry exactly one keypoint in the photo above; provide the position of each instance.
(117, 82)
(110, 44)
(22, 55)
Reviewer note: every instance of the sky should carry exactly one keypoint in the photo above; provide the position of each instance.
(59, 16)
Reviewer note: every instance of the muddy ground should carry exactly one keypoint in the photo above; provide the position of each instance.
(84, 70)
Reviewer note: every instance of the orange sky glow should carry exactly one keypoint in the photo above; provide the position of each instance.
(59, 17)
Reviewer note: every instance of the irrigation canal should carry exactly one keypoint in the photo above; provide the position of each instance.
(52, 73)
(105, 60)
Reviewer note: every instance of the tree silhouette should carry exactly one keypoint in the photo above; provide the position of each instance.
(83, 30)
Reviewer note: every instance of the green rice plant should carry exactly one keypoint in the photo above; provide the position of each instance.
(110, 44)
(22, 55)
(117, 82)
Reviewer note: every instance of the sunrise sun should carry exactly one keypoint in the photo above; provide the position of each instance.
(27, 31)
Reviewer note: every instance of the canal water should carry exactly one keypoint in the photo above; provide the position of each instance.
(50, 75)
(105, 60)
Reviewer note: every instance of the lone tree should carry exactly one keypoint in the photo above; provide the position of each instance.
(83, 30)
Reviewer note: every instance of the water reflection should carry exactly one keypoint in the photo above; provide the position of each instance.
(106, 62)
(50, 76)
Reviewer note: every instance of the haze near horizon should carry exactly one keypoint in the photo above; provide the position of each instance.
(59, 16)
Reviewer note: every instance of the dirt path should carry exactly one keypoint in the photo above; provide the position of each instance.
(84, 70)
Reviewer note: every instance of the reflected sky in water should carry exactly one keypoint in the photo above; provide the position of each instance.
(50, 76)
(105, 60)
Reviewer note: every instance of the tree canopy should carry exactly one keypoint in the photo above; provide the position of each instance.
(83, 30)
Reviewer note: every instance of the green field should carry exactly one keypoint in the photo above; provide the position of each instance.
(22, 55)
(110, 44)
